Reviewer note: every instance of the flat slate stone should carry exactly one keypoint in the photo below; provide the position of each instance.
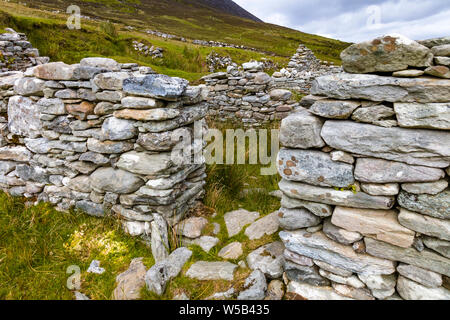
(411, 290)
(269, 259)
(334, 232)
(335, 197)
(314, 293)
(436, 206)
(319, 247)
(371, 170)
(117, 181)
(293, 219)
(426, 259)
(438, 245)
(314, 167)
(379, 88)
(380, 224)
(389, 189)
(424, 277)
(429, 148)
(236, 220)
(432, 188)
(204, 270)
(420, 115)
(156, 86)
(267, 225)
(318, 209)
(301, 130)
(433, 227)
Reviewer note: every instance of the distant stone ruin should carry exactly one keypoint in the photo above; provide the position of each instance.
(17, 53)
(365, 168)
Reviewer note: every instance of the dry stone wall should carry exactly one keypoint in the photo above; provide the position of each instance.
(250, 96)
(98, 136)
(17, 53)
(365, 170)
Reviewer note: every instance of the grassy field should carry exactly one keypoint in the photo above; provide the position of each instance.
(47, 31)
(38, 244)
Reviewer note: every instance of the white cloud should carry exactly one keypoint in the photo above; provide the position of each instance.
(354, 20)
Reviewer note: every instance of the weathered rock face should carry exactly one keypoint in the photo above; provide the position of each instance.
(422, 147)
(318, 246)
(23, 117)
(301, 130)
(430, 115)
(314, 167)
(381, 171)
(380, 224)
(155, 86)
(335, 197)
(424, 224)
(76, 139)
(204, 270)
(433, 206)
(425, 259)
(385, 54)
(377, 88)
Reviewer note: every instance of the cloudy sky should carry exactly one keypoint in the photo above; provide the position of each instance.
(357, 20)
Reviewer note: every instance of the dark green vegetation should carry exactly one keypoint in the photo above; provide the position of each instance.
(48, 32)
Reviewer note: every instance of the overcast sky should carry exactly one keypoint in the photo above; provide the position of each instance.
(357, 20)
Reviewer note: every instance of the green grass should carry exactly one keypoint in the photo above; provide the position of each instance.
(38, 244)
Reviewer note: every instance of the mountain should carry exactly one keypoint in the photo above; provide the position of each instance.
(230, 7)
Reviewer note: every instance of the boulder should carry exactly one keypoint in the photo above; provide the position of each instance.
(117, 181)
(162, 272)
(130, 282)
(314, 167)
(23, 117)
(267, 225)
(385, 54)
(236, 220)
(255, 287)
(426, 259)
(269, 259)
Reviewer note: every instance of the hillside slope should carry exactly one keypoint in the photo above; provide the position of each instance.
(193, 20)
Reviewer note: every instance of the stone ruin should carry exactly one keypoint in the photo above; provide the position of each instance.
(97, 136)
(301, 71)
(17, 53)
(365, 169)
(247, 95)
